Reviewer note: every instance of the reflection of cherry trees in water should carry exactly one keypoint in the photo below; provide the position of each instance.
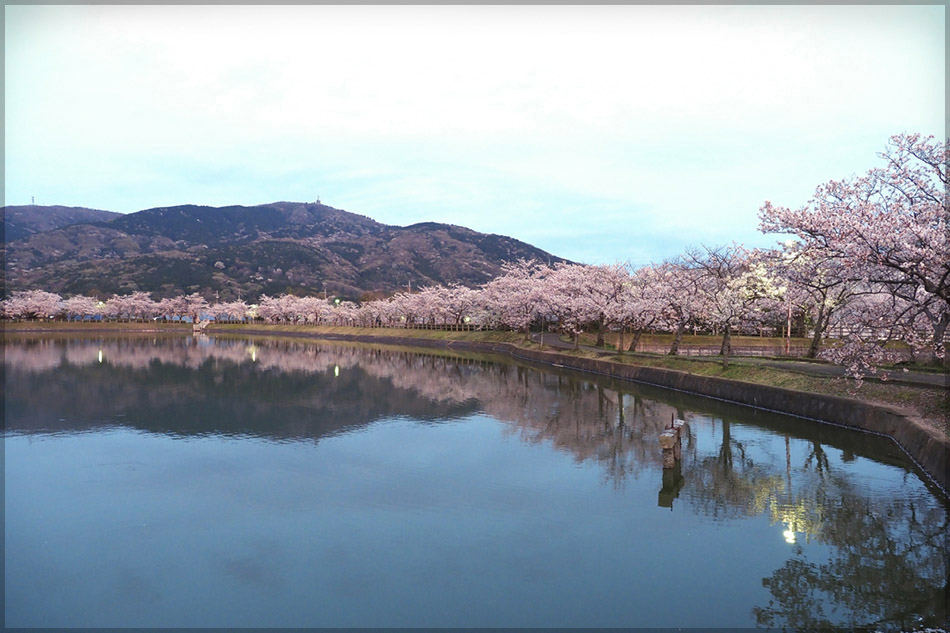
(818, 459)
(617, 430)
(884, 560)
(858, 558)
(886, 567)
(729, 484)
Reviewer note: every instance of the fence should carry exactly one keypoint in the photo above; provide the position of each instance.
(737, 350)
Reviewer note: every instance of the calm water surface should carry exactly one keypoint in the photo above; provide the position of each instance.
(201, 482)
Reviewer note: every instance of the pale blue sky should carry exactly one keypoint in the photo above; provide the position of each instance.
(600, 134)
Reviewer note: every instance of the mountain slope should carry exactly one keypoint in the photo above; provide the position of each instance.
(25, 220)
(247, 251)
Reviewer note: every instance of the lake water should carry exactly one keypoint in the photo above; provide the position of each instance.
(179, 481)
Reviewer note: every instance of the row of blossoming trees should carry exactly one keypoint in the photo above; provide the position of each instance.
(869, 261)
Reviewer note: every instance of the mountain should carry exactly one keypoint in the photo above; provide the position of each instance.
(22, 221)
(239, 251)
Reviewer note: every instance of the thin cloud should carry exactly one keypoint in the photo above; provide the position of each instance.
(593, 132)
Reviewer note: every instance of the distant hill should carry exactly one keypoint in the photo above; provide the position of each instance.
(21, 221)
(235, 251)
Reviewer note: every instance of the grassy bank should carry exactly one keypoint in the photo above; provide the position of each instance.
(698, 340)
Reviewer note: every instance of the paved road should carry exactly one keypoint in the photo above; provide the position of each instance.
(810, 368)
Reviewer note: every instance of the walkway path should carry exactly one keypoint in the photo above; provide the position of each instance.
(916, 378)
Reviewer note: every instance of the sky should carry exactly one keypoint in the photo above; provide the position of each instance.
(617, 133)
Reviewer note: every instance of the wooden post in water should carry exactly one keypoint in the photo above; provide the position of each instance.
(671, 443)
(667, 442)
(678, 446)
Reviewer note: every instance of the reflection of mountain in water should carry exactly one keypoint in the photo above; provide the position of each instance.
(175, 387)
(887, 564)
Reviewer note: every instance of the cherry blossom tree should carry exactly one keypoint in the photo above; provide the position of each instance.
(373, 313)
(867, 325)
(816, 284)
(312, 310)
(137, 305)
(176, 307)
(605, 291)
(432, 305)
(344, 313)
(34, 304)
(642, 304)
(79, 306)
(637, 307)
(887, 227)
(197, 305)
(734, 290)
(567, 298)
(460, 303)
(268, 309)
(407, 307)
(673, 290)
(117, 307)
(516, 297)
(229, 311)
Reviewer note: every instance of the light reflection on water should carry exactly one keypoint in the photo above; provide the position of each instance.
(162, 482)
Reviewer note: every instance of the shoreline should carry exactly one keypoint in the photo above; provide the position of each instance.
(925, 447)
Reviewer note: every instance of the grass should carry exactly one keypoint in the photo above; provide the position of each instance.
(483, 336)
(697, 340)
(797, 345)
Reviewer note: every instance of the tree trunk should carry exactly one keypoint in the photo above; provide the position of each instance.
(620, 340)
(600, 333)
(577, 341)
(726, 348)
(677, 339)
(725, 448)
(635, 340)
(820, 324)
(937, 346)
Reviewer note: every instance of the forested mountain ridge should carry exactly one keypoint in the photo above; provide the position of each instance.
(24, 220)
(239, 251)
